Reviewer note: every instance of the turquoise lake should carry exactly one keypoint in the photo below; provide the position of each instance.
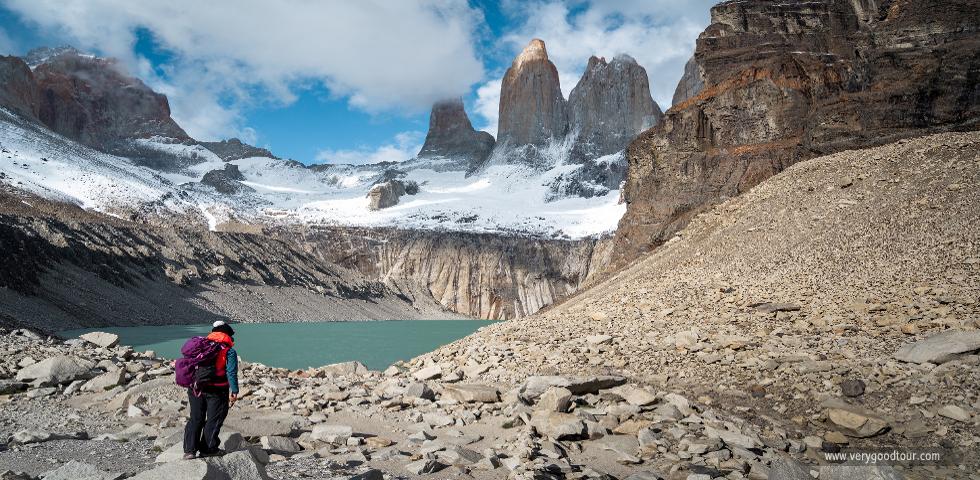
(302, 345)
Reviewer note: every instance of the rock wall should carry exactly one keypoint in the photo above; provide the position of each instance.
(609, 106)
(90, 100)
(451, 135)
(481, 275)
(18, 90)
(787, 81)
(532, 108)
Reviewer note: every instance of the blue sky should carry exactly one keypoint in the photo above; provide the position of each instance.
(349, 82)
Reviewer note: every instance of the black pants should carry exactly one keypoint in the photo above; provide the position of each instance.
(208, 412)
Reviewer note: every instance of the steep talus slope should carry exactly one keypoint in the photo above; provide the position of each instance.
(851, 255)
(787, 81)
(480, 275)
(64, 267)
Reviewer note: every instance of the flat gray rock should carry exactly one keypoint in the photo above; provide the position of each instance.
(56, 370)
(941, 347)
(102, 339)
(79, 471)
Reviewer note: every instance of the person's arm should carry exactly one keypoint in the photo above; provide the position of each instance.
(231, 370)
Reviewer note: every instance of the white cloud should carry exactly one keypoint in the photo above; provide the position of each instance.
(659, 34)
(487, 106)
(7, 46)
(380, 55)
(404, 146)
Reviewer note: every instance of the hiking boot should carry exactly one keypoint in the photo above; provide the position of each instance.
(189, 456)
(217, 453)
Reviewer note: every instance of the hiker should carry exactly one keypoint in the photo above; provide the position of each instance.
(210, 400)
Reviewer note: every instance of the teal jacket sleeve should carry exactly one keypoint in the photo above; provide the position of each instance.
(231, 370)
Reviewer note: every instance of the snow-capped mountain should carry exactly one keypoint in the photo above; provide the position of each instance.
(121, 153)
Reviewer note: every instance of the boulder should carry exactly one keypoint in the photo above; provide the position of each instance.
(102, 339)
(472, 393)
(105, 381)
(56, 370)
(419, 390)
(184, 470)
(635, 395)
(331, 433)
(854, 421)
(79, 471)
(280, 445)
(558, 426)
(344, 368)
(533, 387)
(8, 387)
(240, 465)
(424, 466)
(554, 399)
(136, 431)
(428, 373)
(387, 194)
(941, 347)
(257, 424)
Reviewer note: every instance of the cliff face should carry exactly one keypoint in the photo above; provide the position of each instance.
(90, 100)
(485, 276)
(451, 136)
(609, 106)
(787, 81)
(691, 82)
(18, 90)
(532, 108)
(64, 267)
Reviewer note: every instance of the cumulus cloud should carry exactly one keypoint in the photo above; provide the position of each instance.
(404, 146)
(379, 55)
(659, 34)
(487, 106)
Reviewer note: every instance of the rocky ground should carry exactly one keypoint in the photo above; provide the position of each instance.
(833, 307)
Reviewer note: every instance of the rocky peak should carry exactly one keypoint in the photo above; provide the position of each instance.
(91, 100)
(532, 108)
(41, 55)
(451, 135)
(235, 149)
(609, 106)
(18, 90)
(692, 82)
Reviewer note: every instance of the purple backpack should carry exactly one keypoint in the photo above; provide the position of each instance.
(197, 367)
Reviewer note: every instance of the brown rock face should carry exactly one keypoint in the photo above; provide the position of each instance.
(532, 108)
(610, 106)
(787, 81)
(18, 91)
(451, 135)
(90, 100)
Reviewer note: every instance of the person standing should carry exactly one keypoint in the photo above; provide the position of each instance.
(210, 402)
